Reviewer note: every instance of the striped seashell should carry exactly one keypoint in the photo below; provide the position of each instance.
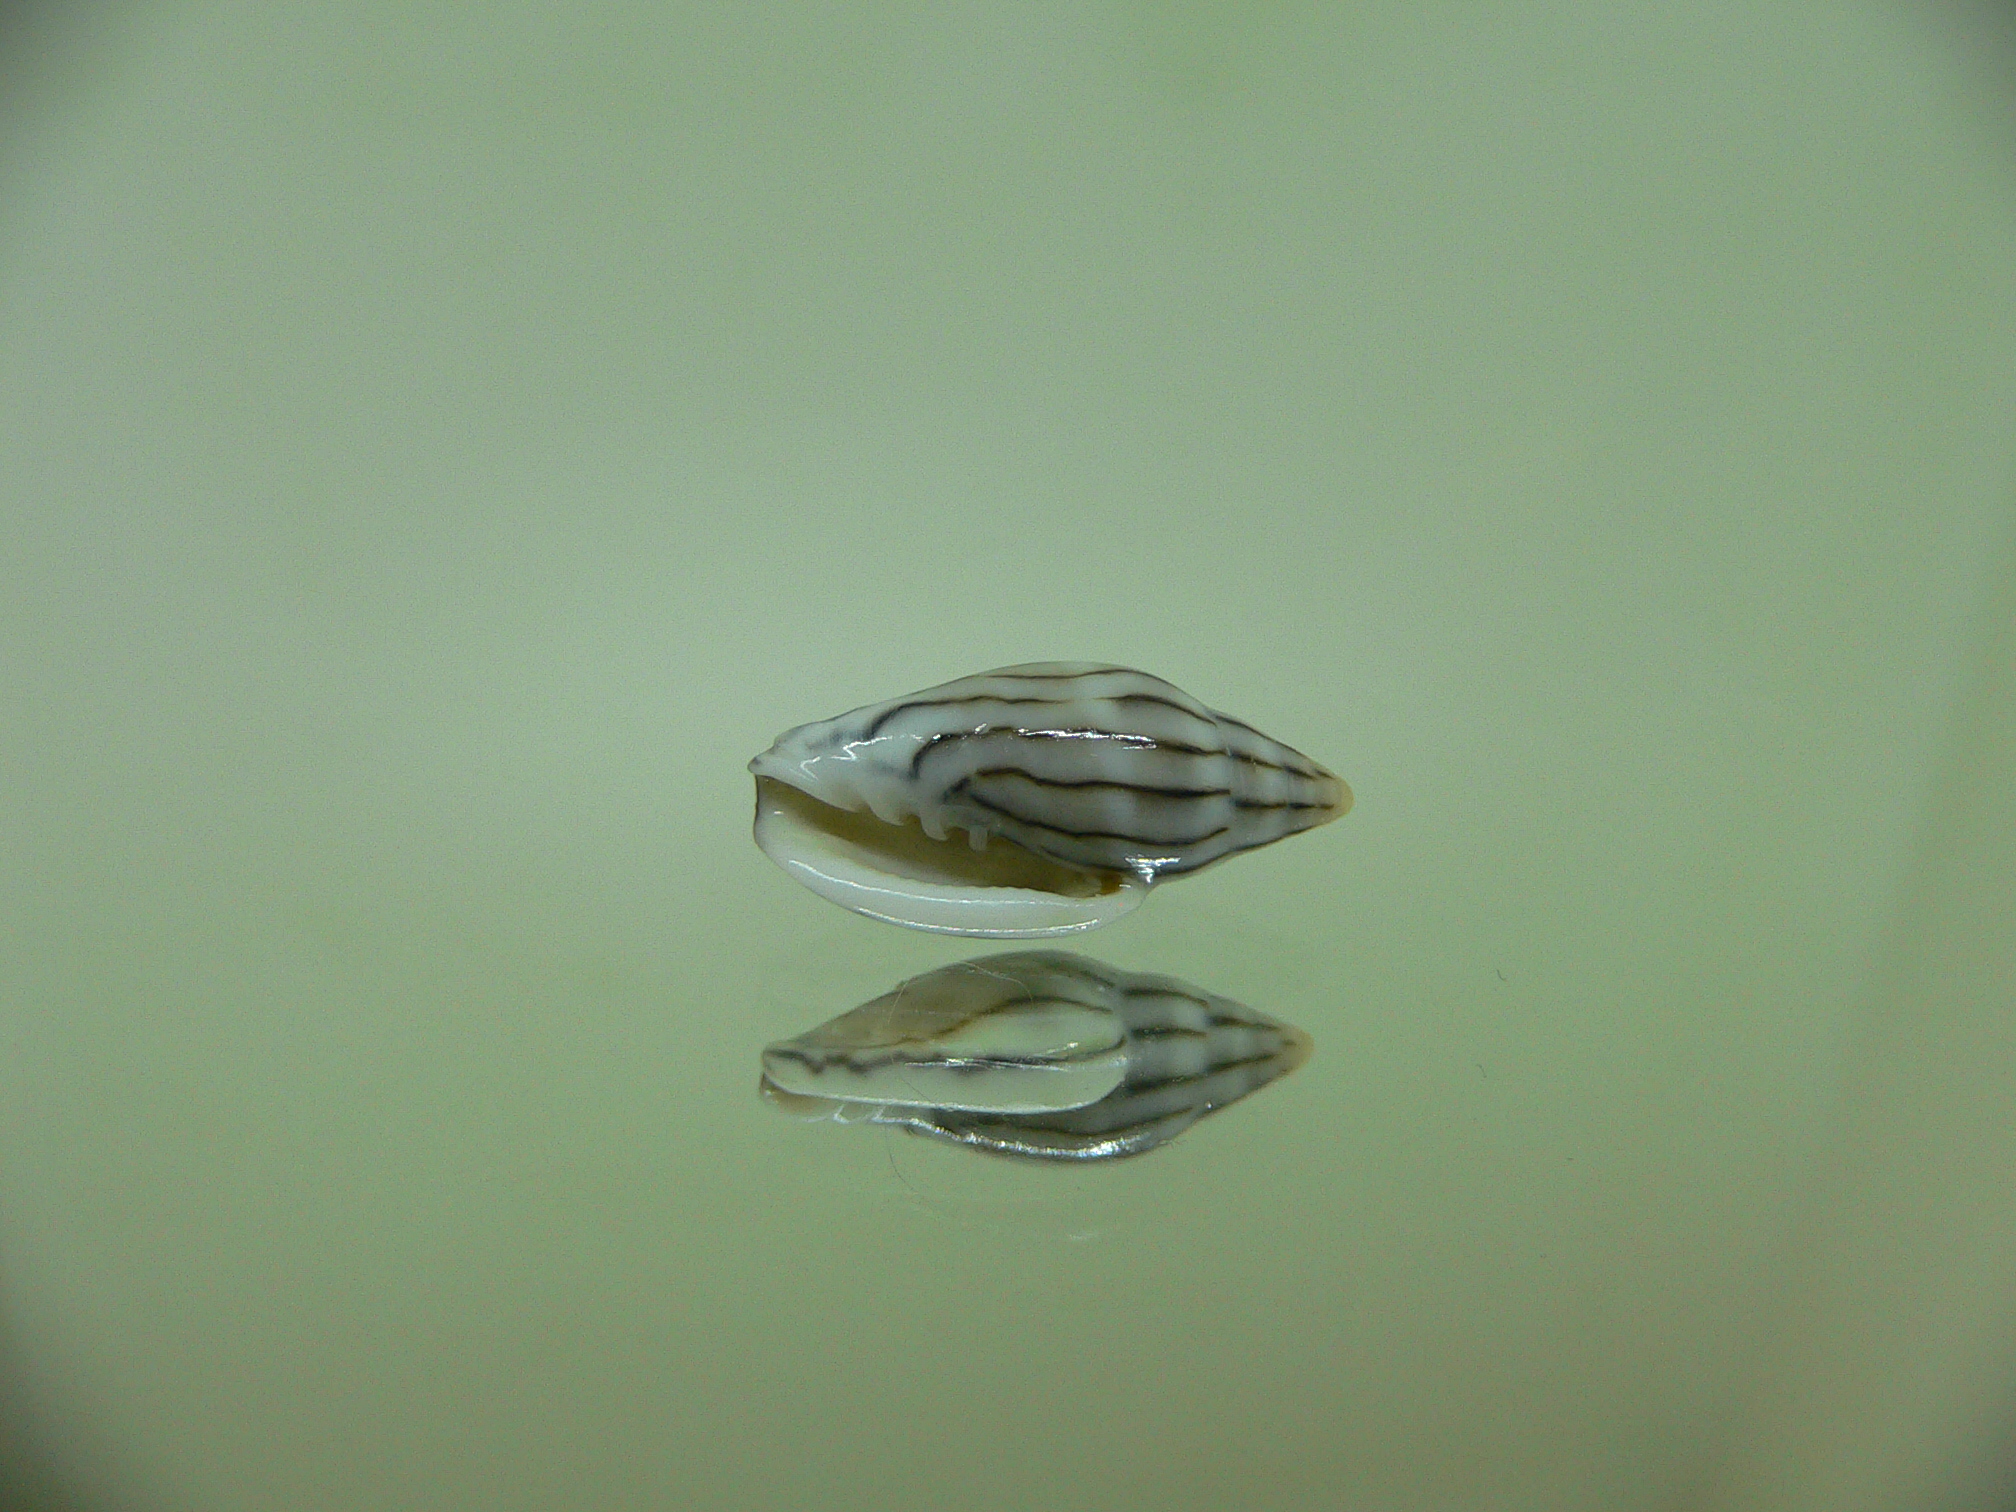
(1037, 1053)
(1100, 780)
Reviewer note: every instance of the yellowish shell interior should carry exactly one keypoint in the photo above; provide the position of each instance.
(904, 850)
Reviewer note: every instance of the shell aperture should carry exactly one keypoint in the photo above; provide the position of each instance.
(1040, 1054)
(1076, 786)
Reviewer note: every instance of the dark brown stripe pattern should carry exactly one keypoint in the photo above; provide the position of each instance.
(1099, 767)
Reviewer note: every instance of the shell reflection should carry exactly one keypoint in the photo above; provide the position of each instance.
(1036, 1053)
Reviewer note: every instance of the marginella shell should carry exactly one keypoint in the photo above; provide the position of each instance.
(1078, 786)
(1036, 1053)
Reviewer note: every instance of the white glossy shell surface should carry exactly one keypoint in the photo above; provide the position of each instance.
(1076, 785)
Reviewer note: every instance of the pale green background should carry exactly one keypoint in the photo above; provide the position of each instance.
(439, 446)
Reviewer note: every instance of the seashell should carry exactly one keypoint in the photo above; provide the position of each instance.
(1078, 786)
(1036, 1053)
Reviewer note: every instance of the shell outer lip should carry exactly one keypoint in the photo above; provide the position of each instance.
(849, 875)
